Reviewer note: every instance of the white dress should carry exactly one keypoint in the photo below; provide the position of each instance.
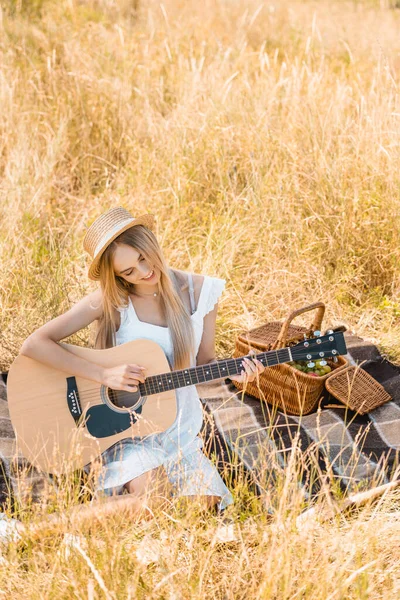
(178, 448)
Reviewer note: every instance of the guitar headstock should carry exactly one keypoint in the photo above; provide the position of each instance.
(325, 346)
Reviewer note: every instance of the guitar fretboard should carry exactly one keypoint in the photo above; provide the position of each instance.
(208, 372)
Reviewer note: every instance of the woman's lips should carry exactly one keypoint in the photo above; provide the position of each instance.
(148, 277)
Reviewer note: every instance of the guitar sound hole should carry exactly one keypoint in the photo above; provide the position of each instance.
(122, 399)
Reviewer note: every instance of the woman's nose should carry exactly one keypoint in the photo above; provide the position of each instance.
(144, 269)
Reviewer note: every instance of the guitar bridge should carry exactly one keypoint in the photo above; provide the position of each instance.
(74, 404)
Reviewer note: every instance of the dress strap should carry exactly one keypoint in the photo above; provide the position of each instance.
(191, 293)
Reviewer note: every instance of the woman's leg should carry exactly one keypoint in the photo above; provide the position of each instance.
(145, 493)
(153, 483)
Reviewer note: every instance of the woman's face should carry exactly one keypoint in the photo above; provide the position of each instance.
(131, 265)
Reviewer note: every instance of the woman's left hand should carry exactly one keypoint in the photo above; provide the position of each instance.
(252, 368)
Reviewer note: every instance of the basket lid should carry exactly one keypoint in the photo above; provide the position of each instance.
(355, 388)
(266, 335)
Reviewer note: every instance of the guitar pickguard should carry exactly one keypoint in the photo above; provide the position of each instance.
(102, 422)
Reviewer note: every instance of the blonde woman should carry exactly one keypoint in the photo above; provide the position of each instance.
(139, 296)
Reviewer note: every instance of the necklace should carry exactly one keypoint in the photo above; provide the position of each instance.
(155, 294)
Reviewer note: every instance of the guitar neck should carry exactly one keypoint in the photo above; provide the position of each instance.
(208, 372)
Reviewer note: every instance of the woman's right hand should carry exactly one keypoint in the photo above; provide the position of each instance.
(124, 377)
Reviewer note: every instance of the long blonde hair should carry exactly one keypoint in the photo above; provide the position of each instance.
(116, 292)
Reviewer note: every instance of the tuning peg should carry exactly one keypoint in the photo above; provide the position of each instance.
(329, 332)
(335, 359)
(310, 365)
(323, 363)
(317, 334)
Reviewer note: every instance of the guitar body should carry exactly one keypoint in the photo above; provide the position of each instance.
(63, 422)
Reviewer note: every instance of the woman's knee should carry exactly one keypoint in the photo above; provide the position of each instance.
(213, 500)
(210, 501)
(151, 482)
(138, 486)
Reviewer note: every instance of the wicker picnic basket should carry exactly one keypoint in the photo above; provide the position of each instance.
(283, 386)
(355, 388)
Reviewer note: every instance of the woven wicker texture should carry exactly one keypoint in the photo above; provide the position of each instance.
(265, 337)
(283, 386)
(357, 389)
(107, 221)
(106, 228)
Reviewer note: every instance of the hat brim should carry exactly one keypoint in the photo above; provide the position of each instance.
(145, 220)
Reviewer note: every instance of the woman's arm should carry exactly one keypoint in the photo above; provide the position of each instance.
(206, 353)
(42, 344)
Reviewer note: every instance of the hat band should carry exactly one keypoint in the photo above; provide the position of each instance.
(110, 234)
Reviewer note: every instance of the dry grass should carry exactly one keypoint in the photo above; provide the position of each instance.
(265, 137)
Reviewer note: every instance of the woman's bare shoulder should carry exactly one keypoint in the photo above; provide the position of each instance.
(182, 277)
(197, 284)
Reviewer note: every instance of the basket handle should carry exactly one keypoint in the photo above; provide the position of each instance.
(316, 324)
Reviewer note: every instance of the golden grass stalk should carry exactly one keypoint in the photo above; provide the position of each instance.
(264, 136)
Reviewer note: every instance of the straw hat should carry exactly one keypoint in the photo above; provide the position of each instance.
(105, 229)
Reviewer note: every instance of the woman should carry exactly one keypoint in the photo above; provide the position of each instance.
(140, 297)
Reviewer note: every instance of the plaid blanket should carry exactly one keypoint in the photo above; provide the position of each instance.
(332, 443)
(246, 437)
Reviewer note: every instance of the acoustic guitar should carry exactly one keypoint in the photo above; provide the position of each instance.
(63, 422)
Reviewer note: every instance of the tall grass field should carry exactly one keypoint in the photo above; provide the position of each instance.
(265, 137)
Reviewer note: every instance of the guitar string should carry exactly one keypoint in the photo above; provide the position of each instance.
(177, 380)
(213, 367)
(151, 381)
(182, 375)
